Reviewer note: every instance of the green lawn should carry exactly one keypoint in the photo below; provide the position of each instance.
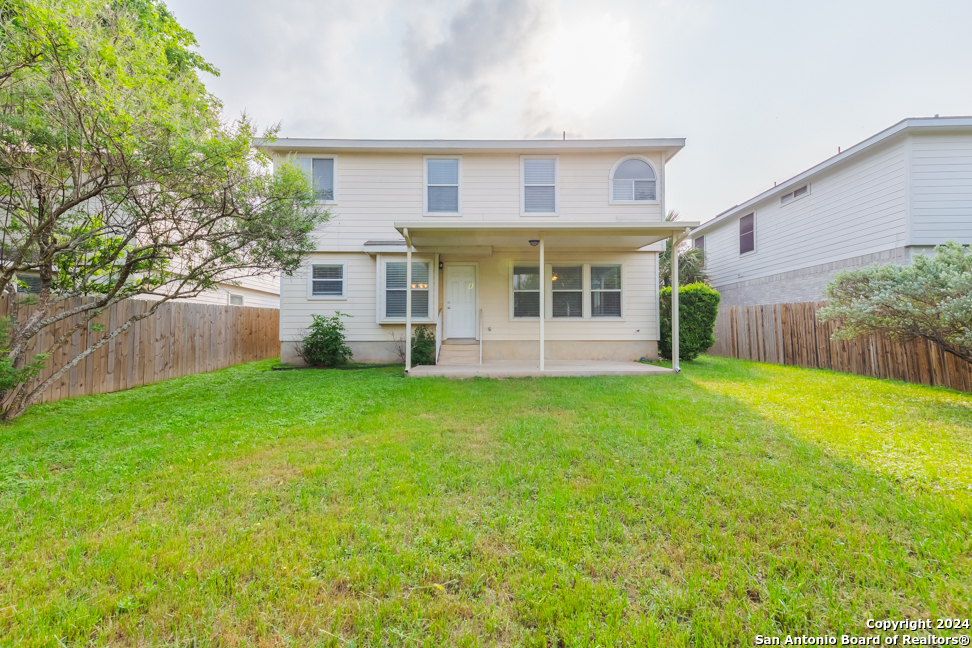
(357, 508)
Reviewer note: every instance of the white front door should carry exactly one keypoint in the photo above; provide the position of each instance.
(460, 314)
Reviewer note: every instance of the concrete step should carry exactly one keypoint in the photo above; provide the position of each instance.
(453, 354)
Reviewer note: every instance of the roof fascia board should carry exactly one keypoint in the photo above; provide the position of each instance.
(670, 145)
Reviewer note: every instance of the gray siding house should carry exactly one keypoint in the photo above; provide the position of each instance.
(884, 200)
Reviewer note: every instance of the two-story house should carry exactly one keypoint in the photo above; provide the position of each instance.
(525, 250)
(894, 195)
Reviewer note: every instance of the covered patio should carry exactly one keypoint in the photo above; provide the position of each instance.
(482, 237)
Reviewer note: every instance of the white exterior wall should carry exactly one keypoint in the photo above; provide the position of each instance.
(941, 190)
(375, 190)
(855, 211)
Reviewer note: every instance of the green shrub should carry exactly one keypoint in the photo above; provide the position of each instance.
(698, 305)
(323, 344)
(423, 346)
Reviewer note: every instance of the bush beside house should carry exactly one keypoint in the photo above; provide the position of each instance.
(323, 345)
(698, 306)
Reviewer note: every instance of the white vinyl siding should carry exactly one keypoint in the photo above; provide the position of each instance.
(941, 194)
(856, 209)
(442, 190)
(539, 185)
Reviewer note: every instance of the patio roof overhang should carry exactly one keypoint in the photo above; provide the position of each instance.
(573, 235)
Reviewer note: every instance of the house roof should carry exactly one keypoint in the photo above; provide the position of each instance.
(670, 146)
(912, 124)
(616, 235)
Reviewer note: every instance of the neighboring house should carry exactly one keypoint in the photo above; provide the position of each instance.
(892, 196)
(263, 292)
(479, 214)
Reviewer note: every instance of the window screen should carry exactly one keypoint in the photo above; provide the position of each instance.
(567, 286)
(606, 291)
(443, 185)
(324, 178)
(396, 289)
(700, 243)
(328, 281)
(747, 233)
(526, 291)
(540, 186)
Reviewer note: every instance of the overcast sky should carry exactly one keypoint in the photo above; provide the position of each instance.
(761, 90)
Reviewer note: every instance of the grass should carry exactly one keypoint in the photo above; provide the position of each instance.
(357, 508)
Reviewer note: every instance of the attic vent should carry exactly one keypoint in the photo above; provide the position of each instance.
(796, 193)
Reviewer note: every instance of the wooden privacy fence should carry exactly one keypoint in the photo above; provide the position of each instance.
(179, 339)
(791, 334)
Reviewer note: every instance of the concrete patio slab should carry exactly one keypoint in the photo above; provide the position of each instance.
(519, 369)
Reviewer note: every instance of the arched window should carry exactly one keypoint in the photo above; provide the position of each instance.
(634, 180)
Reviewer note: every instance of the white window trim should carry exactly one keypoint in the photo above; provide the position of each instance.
(658, 183)
(556, 159)
(310, 281)
(382, 260)
(795, 198)
(328, 156)
(738, 235)
(230, 296)
(585, 291)
(425, 185)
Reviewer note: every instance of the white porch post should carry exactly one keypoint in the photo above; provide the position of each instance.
(543, 301)
(408, 301)
(674, 258)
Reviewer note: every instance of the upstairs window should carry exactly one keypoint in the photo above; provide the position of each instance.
(31, 284)
(396, 289)
(320, 171)
(442, 185)
(327, 280)
(606, 291)
(526, 291)
(796, 193)
(699, 243)
(747, 233)
(567, 290)
(540, 185)
(633, 181)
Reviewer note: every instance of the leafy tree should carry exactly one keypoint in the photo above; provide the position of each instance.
(118, 176)
(691, 262)
(698, 306)
(324, 346)
(929, 299)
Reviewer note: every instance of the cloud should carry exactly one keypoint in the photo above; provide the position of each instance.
(486, 37)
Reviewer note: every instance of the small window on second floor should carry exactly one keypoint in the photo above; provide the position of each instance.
(442, 185)
(700, 243)
(793, 195)
(320, 171)
(540, 186)
(747, 233)
(633, 181)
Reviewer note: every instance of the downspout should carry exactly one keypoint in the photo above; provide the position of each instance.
(676, 239)
(543, 300)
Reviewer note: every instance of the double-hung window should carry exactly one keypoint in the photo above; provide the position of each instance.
(328, 281)
(605, 291)
(320, 171)
(442, 185)
(526, 291)
(747, 233)
(396, 289)
(539, 186)
(567, 290)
